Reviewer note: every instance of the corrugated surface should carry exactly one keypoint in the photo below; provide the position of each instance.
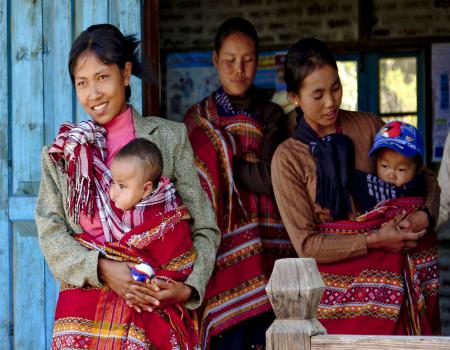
(36, 96)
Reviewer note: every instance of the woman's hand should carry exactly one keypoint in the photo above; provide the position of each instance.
(415, 221)
(391, 236)
(138, 295)
(158, 294)
(116, 275)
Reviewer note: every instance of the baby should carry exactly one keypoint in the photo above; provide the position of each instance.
(398, 152)
(152, 213)
(398, 149)
(135, 171)
(396, 191)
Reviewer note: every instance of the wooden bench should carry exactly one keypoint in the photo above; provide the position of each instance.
(295, 289)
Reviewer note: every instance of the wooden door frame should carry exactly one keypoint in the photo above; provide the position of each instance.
(151, 89)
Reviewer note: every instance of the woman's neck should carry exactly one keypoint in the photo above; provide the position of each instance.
(119, 122)
(243, 102)
(324, 130)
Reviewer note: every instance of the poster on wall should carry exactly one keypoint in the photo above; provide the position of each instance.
(191, 77)
(440, 74)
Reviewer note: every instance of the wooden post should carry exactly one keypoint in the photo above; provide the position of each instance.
(151, 88)
(294, 289)
(374, 342)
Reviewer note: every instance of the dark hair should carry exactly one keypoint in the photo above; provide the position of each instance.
(110, 46)
(148, 154)
(235, 25)
(419, 162)
(303, 58)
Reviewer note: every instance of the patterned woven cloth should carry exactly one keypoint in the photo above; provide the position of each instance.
(156, 232)
(382, 292)
(253, 235)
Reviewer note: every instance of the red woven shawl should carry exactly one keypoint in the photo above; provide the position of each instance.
(253, 235)
(382, 292)
(99, 318)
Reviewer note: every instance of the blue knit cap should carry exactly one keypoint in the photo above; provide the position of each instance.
(400, 137)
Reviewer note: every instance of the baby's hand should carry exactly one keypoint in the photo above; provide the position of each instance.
(142, 272)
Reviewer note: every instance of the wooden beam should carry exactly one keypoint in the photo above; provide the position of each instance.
(294, 289)
(151, 56)
(372, 342)
(365, 23)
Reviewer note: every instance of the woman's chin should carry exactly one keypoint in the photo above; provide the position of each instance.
(237, 91)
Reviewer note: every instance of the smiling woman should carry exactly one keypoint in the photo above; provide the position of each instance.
(101, 88)
(71, 216)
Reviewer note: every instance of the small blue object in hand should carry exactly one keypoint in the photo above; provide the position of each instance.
(142, 272)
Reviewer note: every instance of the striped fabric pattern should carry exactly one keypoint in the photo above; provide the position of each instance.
(253, 235)
(383, 292)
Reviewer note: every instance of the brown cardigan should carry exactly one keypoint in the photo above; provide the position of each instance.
(294, 183)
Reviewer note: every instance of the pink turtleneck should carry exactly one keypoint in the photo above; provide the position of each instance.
(119, 131)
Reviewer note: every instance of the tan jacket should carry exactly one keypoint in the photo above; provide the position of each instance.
(76, 265)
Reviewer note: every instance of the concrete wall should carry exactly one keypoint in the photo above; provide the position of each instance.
(401, 19)
(191, 24)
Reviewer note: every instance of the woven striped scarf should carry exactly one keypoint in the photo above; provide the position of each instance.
(80, 152)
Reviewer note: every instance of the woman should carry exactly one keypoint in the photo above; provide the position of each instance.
(312, 179)
(101, 62)
(234, 133)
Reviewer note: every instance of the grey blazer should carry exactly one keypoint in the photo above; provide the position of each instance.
(76, 265)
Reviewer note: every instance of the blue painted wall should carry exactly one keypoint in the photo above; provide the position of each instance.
(36, 96)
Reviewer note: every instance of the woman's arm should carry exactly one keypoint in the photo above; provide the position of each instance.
(296, 209)
(432, 200)
(391, 236)
(68, 260)
(255, 177)
(425, 219)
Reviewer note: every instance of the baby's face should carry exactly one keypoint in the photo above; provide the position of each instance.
(395, 168)
(128, 186)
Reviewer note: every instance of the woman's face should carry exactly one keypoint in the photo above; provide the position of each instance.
(101, 87)
(236, 63)
(319, 97)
